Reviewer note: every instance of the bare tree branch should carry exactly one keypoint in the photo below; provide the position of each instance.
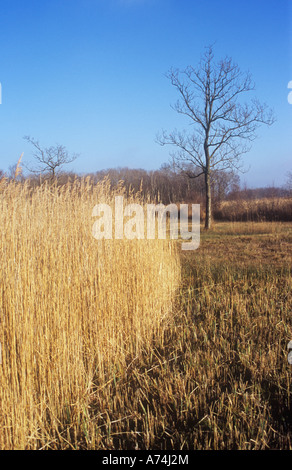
(49, 160)
(223, 126)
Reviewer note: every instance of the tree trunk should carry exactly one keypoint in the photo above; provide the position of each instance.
(207, 183)
(208, 200)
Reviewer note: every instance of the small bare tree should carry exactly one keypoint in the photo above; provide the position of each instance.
(222, 126)
(49, 160)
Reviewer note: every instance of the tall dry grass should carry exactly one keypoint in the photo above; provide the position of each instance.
(73, 310)
(219, 378)
(255, 210)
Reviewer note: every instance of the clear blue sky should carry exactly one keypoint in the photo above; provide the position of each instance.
(89, 74)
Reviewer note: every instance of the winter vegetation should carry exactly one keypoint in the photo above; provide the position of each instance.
(133, 344)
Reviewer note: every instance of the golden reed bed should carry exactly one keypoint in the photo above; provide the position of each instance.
(72, 308)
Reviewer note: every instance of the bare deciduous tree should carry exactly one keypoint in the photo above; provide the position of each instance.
(222, 126)
(50, 159)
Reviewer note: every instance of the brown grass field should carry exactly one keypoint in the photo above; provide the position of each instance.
(271, 209)
(136, 344)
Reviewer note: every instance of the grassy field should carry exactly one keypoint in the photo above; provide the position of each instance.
(273, 209)
(74, 310)
(220, 378)
(154, 352)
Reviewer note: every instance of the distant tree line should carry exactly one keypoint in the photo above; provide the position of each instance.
(166, 185)
(268, 192)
